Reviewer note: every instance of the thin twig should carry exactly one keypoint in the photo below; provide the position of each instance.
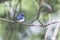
(6, 20)
(29, 24)
(38, 13)
(51, 23)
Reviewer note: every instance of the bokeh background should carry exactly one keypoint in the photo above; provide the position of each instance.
(9, 9)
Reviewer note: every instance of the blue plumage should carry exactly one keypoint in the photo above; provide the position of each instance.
(20, 17)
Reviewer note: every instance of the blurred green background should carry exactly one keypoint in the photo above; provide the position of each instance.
(10, 31)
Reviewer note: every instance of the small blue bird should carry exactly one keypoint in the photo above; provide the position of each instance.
(20, 17)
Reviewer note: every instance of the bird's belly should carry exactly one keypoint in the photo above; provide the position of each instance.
(22, 20)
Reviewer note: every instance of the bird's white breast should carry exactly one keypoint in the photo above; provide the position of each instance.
(22, 20)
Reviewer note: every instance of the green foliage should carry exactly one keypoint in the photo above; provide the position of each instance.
(29, 8)
(3, 26)
(1, 9)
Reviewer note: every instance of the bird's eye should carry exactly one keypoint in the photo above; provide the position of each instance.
(22, 15)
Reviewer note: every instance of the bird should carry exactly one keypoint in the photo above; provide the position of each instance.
(20, 18)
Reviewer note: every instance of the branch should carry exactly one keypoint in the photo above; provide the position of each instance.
(38, 13)
(29, 24)
(51, 23)
(6, 20)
